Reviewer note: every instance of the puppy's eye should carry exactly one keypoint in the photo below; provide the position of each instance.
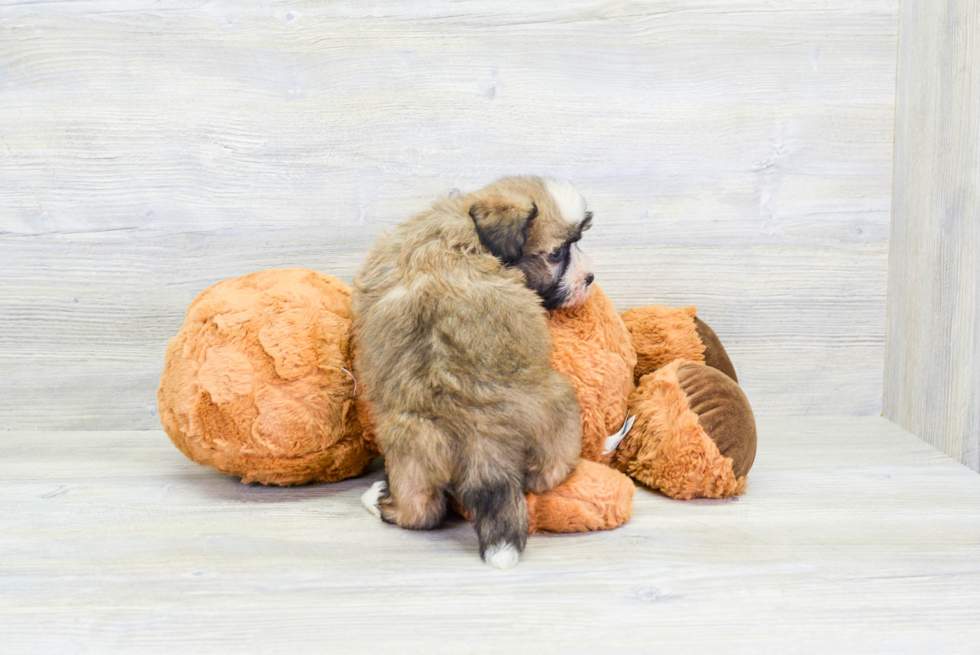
(557, 254)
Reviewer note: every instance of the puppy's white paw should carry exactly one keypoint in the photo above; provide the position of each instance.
(502, 555)
(371, 496)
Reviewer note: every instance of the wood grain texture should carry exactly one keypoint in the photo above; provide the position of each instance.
(853, 537)
(932, 374)
(737, 154)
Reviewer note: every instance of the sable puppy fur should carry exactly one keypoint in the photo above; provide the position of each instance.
(454, 351)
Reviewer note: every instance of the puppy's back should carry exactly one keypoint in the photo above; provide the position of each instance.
(454, 354)
(439, 322)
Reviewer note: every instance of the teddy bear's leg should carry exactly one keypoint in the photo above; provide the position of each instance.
(694, 435)
(593, 497)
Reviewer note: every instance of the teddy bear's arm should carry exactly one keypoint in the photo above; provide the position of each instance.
(662, 334)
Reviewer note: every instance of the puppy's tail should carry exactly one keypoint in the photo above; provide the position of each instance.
(499, 513)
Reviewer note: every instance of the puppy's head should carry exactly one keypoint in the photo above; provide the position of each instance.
(534, 224)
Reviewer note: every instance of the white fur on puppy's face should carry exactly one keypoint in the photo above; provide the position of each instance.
(577, 280)
(570, 202)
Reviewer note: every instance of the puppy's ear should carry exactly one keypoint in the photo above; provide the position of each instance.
(502, 226)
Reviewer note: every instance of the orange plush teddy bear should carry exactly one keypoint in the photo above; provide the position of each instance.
(258, 383)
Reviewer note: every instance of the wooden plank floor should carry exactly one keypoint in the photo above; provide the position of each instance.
(854, 536)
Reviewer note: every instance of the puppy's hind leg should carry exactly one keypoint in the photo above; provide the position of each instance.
(494, 498)
(372, 497)
(413, 495)
(407, 497)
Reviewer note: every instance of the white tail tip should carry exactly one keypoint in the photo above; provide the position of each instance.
(503, 556)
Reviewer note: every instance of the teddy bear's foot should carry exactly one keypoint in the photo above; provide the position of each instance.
(593, 497)
(695, 434)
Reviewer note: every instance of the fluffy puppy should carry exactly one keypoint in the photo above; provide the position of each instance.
(455, 354)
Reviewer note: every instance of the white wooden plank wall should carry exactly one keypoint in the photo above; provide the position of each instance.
(932, 370)
(737, 154)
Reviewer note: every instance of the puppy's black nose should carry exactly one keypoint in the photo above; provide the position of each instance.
(588, 279)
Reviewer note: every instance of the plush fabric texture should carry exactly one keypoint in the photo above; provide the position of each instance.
(715, 355)
(668, 448)
(254, 382)
(593, 497)
(254, 385)
(662, 334)
(592, 346)
(723, 412)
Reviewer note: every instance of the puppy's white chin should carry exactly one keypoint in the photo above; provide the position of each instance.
(578, 297)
